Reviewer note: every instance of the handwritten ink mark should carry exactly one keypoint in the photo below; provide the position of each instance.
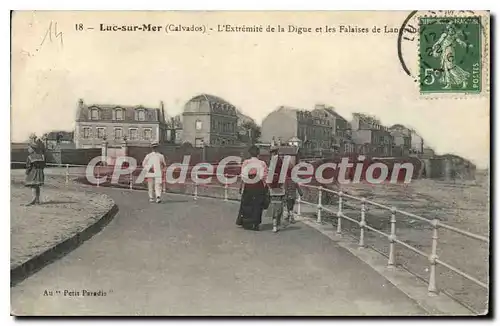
(52, 32)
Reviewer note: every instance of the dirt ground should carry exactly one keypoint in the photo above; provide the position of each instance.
(62, 213)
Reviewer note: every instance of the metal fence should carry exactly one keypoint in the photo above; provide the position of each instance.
(392, 237)
(393, 213)
(130, 180)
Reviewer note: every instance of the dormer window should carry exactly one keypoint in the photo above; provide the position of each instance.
(140, 115)
(94, 114)
(118, 114)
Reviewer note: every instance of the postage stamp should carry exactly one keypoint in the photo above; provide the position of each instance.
(450, 58)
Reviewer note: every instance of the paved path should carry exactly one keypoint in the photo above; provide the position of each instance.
(186, 257)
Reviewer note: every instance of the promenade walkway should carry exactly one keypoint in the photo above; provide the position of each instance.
(187, 257)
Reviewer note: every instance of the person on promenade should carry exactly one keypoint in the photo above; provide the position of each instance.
(155, 159)
(35, 164)
(253, 195)
(291, 190)
(277, 189)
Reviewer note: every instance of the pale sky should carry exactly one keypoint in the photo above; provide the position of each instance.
(257, 72)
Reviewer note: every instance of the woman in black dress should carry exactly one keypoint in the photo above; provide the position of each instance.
(35, 176)
(253, 194)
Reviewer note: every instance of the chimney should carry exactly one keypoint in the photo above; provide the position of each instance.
(162, 112)
(80, 103)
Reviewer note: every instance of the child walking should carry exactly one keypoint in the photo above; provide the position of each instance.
(291, 190)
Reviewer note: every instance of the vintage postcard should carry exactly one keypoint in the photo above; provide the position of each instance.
(330, 163)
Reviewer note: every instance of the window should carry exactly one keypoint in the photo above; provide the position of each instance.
(101, 133)
(132, 134)
(147, 134)
(118, 133)
(87, 132)
(198, 142)
(140, 115)
(94, 114)
(199, 125)
(118, 114)
(195, 105)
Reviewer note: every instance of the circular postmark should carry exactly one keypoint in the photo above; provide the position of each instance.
(407, 31)
(441, 50)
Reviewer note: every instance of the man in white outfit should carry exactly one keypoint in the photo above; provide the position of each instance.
(154, 159)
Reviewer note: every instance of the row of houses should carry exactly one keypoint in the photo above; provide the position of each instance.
(324, 128)
(206, 120)
(209, 120)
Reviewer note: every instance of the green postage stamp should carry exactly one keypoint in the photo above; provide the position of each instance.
(450, 55)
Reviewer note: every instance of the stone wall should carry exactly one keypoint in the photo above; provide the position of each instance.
(63, 156)
(175, 154)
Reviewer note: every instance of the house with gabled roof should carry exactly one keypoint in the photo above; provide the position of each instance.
(209, 120)
(115, 124)
(286, 124)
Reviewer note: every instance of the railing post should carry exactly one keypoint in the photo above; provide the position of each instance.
(131, 180)
(225, 192)
(67, 173)
(164, 181)
(98, 175)
(195, 195)
(339, 215)
(362, 223)
(299, 199)
(392, 239)
(432, 259)
(320, 195)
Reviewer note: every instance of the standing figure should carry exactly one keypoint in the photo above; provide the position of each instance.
(452, 74)
(35, 177)
(276, 189)
(252, 194)
(154, 160)
(291, 190)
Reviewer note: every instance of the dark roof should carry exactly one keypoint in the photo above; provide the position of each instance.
(209, 98)
(453, 156)
(398, 126)
(398, 132)
(333, 112)
(215, 105)
(152, 114)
